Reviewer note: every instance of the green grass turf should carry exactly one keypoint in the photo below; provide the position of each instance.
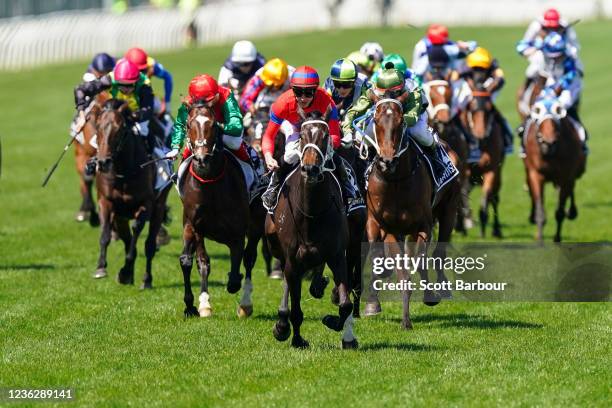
(119, 346)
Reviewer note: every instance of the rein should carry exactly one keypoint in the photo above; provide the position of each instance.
(377, 146)
(212, 180)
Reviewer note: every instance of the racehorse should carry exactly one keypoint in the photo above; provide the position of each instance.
(216, 206)
(440, 94)
(553, 154)
(83, 152)
(481, 120)
(399, 200)
(308, 228)
(125, 191)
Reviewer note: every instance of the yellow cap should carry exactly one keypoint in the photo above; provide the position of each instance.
(480, 58)
(275, 72)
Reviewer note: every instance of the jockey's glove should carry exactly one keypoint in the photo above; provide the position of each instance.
(411, 119)
(347, 139)
(142, 128)
(172, 154)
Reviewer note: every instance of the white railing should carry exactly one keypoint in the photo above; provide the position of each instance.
(33, 41)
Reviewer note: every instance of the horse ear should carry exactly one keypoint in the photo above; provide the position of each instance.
(403, 97)
(301, 113)
(327, 113)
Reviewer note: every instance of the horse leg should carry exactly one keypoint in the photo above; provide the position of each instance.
(186, 261)
(80, 159)
(105, 236)
(345, 307)
(203, 262)
(564, 194)
(487, 193)
(155, 224)
(245, 308)
(319, 283)
(294, 281)
(536, 186)
(497, 233)
(281, 329)
(234, 277)
(357, 220)
(126, 274)
(267, 256)
(373, 231)
(573, 211)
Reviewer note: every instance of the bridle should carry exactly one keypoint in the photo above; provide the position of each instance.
(374, 142)
(324, 156)
(434, 110)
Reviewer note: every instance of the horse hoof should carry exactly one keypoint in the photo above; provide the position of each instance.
(233, 283)
(406, 325)
(94, 219)
(162, 238)
(125, 278)
(191, 311)
(497, 233)
(81, 216)
(572, 214)
(276, 274)
(431, 298)
(299, 342)
(372, 309)
(245, 311)
(468, 224)
(557, 238)
(333, 322)
(281, 332)
(317, 287)
(350, 345)
(100, 273)
(205, 311)
(146, 285)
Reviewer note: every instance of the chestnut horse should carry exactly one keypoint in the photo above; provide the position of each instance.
(83, 152)
(553, 154)
(482, 123)
(216, 206)
(439, 95)
(125, 191)
(399, 201)
(308, 228)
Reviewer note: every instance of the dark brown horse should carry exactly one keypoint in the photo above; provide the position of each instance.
(553, 154)
(125, 191)
(480, 118)
(440, 95)
(216, 206)
(399, 201)
(83, 152)
(309, 228)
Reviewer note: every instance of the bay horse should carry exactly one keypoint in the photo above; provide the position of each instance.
(553, 154)
(399, 200)
(481, 121)
(308, 228)
(216, 206)
(125, 191)
(440, 95)
(83, 152)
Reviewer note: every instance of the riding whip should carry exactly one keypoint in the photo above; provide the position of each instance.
(52, 170)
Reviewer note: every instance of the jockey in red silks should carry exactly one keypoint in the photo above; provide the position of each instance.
(305, 93)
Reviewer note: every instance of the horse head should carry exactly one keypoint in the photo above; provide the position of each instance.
(112, 132)
(480, 110)
(547, 114)
(439, 94)
(203, 135)
(389, 130)
(315, 146)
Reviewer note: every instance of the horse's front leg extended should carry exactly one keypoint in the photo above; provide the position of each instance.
(186, 261)
(106, 208)
(234, 277)
(372, 306)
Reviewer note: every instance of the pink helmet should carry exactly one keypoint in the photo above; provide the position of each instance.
(126, 72)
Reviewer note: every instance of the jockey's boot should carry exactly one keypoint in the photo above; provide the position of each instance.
(432, 155)
(506, 129)
(269, 197)
(520, 131)
(350, 192)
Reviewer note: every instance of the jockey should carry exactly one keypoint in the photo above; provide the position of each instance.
(305, 94)
(203, 89)
(364, 65)
(124, 83)
(152, 68)
(398, 62)
(240, 66)
(345, 85)
(374, 52)
(272, 79)
(532, 42)
(101, 64)
(482, 68)
(392, 84)
(436, 39)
